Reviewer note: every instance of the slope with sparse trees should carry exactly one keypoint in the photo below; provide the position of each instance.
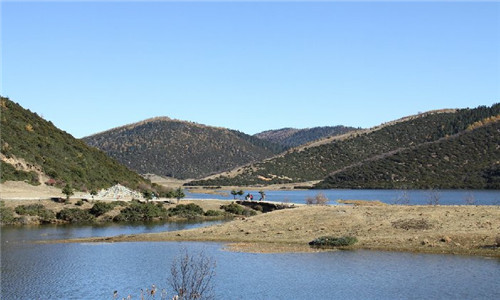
(180, 149)
(34, 150)
(317, 162)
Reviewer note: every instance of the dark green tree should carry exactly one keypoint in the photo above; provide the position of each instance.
(68, 191)
(147, 195)
(93, 192)
(179, 194)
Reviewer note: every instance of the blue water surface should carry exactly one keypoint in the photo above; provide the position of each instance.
(413, 197)
(94, 271)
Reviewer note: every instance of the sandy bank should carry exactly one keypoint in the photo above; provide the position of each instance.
(470, 230)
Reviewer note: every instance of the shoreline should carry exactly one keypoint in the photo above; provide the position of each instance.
(459, 230)
(450, 229)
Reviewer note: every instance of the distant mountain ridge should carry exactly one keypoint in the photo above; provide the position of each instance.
(316, 160)
(34, 150)
(180, 149)
(292, 137)
(449, 148)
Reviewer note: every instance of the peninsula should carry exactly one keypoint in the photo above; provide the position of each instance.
(466, 230)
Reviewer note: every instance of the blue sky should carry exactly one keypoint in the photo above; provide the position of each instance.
(250, 66)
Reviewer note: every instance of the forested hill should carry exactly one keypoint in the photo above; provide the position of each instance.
(317, 162)
(34, 150)
(292, 137)
(469, 159)
(180, 149)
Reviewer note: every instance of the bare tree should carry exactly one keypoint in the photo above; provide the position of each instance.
(319, 199)
(433, 197)
(262, 195)
(470, 199)
(192, 276)
(403, 198)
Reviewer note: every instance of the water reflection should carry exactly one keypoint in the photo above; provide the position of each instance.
(45, 232)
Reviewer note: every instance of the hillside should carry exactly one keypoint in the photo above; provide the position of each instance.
(469, 159)
(180, 149)
(34, 150)
(292, 137)
(316, 161)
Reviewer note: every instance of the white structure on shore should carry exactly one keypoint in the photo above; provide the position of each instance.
(116, 192)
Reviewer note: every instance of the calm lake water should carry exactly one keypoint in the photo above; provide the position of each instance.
(94, 271)
(414, 197)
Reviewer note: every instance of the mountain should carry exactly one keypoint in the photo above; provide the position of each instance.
(315, 161)
(180, 149)
(292, 137)
(34, 150)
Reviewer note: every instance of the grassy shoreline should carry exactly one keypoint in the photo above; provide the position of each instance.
(463, 230)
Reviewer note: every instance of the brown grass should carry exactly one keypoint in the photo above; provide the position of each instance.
(362, 202)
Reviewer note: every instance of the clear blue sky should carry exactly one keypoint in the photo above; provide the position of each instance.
(92, 66)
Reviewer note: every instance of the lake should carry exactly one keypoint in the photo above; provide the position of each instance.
(414, 197)
(94, 271)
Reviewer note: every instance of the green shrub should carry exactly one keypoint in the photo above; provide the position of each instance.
(35, 210)
(151, 211)
(258, 208)
(6, 214)
(9, 172)
(31, 209)
(213, 213)
(247, 212)
(79, 202)
(237, 209)
(190, 210)
(129, 214)
(332, 241)
(119, 203)
(138, 211)
(100, 208)
(75, 215)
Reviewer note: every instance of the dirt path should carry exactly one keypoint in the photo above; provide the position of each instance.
(470, 230)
